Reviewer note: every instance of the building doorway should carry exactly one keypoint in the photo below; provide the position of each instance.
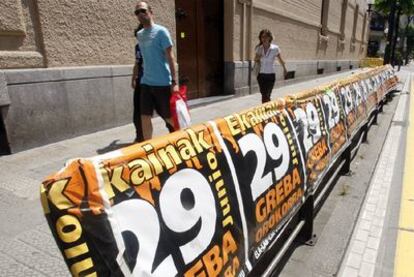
(200, 45)
(4, 145)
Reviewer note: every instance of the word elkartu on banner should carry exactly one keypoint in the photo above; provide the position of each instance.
(212, 199)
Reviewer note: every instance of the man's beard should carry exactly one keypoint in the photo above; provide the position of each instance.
(145, 21)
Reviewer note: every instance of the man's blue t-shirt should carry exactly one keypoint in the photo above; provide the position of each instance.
(153, 42)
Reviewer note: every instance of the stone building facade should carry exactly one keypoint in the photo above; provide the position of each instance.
(315, 36)
(65, 65)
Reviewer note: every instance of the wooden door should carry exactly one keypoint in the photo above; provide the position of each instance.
(213, 46)
(185, 15)
(200, 45)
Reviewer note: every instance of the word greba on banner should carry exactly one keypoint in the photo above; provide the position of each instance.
(209, 200)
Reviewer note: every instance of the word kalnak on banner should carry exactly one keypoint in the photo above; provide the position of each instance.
(209, 200)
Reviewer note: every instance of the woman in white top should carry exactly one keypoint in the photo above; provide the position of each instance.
(266, 54)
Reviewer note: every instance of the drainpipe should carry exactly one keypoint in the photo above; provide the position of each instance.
(243, 32)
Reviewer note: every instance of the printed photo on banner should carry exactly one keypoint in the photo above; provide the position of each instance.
(377, 87)
(308, 120)
(348, 104)
(371, 102)
(335, 121)
(360, 103)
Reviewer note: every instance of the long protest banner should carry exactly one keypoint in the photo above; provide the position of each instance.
(209, 200)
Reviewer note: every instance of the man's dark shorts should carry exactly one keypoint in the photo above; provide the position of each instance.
(158, 98)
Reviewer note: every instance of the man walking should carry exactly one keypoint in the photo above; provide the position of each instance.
(159, 79)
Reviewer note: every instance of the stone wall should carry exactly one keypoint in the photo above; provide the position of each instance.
(297, 29)
(50, 33)
(20, 35)
(65, 67)
(41, 106)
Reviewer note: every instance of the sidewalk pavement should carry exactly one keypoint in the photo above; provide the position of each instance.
(334, 222)
(383, 238)
(26, 245)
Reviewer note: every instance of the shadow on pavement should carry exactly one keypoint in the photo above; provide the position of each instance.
(114, 145)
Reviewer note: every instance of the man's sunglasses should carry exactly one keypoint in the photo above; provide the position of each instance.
(138, 11)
